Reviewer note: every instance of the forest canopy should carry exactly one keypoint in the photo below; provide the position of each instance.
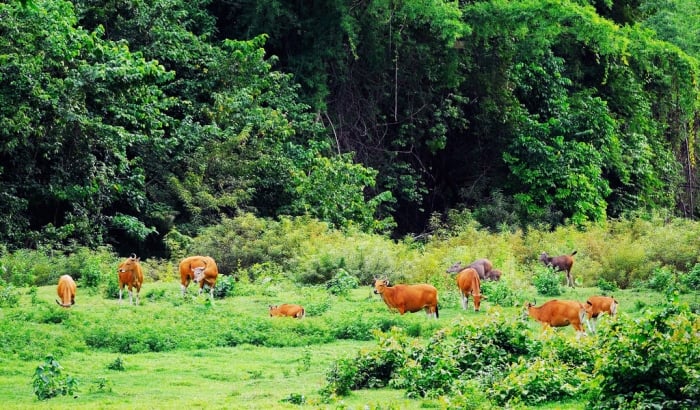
(122, 122)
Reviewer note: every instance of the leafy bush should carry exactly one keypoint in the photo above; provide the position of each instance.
(652, 362)
(661, 279)
(49, 381)
(499, 293)
(9, 295)
(341, 283)
(534, 382)
(117, 364)
(691, 280)
(547, 281)
(605, 286)
(225, 285)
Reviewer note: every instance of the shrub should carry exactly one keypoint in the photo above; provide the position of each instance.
(9, 295)
(117, 364)
(341, 283)
(605, 286)
(49, 381)
(224, 286)
(499, 293)
(691, 280)
(661, 279)
(547, 281)
(652, 362)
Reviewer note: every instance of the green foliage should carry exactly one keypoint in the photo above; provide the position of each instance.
(49, 380)
(117, 364)
(225, 286)
(341, 283)
(652, 362)
(547, 281)
(691, 280)
(499, 293)
(661, 280)
(9, 295)
(605, 286)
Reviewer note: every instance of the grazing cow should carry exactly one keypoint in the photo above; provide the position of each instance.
(289, 310)
(469, 284)
(562, 263)
(595, 305)
(200, 269)
(131, 275)
(494, 275)
(66, 291)
(482, 266)
(408, 298)
(558, 313)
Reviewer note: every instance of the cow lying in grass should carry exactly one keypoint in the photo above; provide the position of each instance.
(288, 310)
(408, 298)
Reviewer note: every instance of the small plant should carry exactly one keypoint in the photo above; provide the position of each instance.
(224, 286)
(295, 398)
(661, 279)
(9, 296)
(305, 362)
(117, 364)
(32, 292)
(341, 283)
(605, 286)
(499, 293)
(101, 384)
(49, 381)
(547, 281)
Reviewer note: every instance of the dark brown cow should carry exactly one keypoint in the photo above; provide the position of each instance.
(558, 313)
(131, 275)
(408, 298)
(494, 275)
(469, 284)
(66, 291)
(482, 266)
(288, 310)
(200, 269)
(595, 306)
(562, 263)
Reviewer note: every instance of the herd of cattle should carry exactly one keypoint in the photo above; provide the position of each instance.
(403, 298)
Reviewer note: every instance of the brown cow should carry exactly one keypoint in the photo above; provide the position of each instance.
(206, 275)
(66, 291)
(482, 266)
(562, 263)
(558, 313)
(131, 275)
(289, 310)
(469, 284)
(408, 298)
(494, 275)
(595, 305)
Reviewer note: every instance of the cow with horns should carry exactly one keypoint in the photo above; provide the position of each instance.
(131, 276)
(201, 270)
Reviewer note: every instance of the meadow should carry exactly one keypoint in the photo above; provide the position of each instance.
(351, 351)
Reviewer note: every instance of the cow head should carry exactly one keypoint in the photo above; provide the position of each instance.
(477, 300)
(380, 285)
(128, 264)
(456, 267)
(273, 308)
(198, 274)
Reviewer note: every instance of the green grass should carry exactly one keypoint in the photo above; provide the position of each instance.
(183, 359)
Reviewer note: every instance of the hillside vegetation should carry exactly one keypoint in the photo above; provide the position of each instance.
(351, 350)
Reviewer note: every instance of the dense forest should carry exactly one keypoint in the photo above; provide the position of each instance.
(132, 123)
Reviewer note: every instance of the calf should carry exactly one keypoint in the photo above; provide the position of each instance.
(131, 275)
(66, 291)
(289, 310)
(562, 263)
(558, 313)
(408, 298)
(595, 305)
(469, 284)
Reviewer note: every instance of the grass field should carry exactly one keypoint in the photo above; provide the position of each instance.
(178, 357)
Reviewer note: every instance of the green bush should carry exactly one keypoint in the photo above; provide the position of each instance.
(661, 279)
(49, 380)
(691, 280)
(9, 295)
(341, 283)
(499, 293)
(534, 382)
(225, 285)
(547, 281)
(652, 362)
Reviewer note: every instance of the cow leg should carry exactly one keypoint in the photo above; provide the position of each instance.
(131, 297)
(569, 279)
(184, 289)
(120, 296)
(465, 301)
